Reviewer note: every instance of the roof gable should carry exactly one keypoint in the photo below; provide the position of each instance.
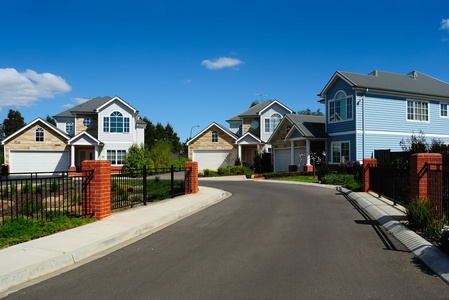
(258, 109)
(248, 138)
(86, 137)
(415, 83)
(308, 126)
(34, 122)
(224, 129)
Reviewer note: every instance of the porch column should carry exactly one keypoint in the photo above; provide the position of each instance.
(72, 156)
(258, 147)
(240, 152)
(292, 153)
(307, 152)
(96, 152)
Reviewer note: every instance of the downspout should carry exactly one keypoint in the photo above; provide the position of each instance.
(363, 122)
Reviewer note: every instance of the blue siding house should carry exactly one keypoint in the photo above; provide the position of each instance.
(378, 110)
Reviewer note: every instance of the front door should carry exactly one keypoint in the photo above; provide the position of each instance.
(86, 155)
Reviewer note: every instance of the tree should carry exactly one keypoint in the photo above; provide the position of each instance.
(137, 157)
(160, 154)
(254, 103)
(12, 123)
(50, 120)
(310, 113)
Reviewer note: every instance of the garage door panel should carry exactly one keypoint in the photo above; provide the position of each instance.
(282, 159)
(213, 159)
(38, 161)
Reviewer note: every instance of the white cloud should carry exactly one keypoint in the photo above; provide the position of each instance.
(220, 63)
(80, 100)
(67, 105)
(23, 89)
(445, 24)
(187, 81)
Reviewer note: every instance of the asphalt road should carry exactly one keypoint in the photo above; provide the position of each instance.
(267, 241)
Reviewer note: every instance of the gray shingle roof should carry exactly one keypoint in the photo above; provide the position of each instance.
(86, 107)
(413, 83)
(252, 111)
(310, 126)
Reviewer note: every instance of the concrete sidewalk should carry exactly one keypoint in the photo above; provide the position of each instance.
(37, 258)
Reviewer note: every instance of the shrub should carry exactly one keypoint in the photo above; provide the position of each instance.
(324, 170)
(342, 169)
(136, 158)
(258, 162)
(180, 162)
(237, 161)
(54, 186)
(423, 218)
(336, 179)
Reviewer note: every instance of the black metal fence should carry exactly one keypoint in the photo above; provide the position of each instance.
(139, 186)
(390, 181)
(438, 187)
(45, 195)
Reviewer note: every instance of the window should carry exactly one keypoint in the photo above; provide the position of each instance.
(88, 122)
(69, 127)
(272, 122)
(340, 108)
(417, 111)
(116, 157)
(443, 110)
(214, 137)
(240, 131)
(116, 122)
(39, 135)
(340, 152)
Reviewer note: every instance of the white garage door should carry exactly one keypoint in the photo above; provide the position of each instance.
(38, 161)
(282, 159)
(213, 159)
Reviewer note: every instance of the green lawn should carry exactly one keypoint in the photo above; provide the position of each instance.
(300, 179)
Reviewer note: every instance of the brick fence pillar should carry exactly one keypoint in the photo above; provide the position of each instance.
(292, 168)
(419, 179)
(99, 195)
(307, 168)
(193, 176)
(367, 162)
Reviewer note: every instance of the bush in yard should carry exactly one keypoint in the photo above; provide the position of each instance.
(423, 218)
(324, 170)
(136, 158)
(180, 162)
(342, 169)
(160, 154)
(237, 161)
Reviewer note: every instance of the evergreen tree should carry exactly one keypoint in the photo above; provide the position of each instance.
(12, 123)
(50, 120)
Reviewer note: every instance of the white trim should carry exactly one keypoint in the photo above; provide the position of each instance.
(97, 110)
(248, 134)
(401, 133)
(26, 127)
(342, 133)
(333, 101)
(269, 118)
(414, 100)
(272, 103)
(402, 94)
(447, 111)
(96, 141)
(332, 81)
(332, 152)
(207, 128)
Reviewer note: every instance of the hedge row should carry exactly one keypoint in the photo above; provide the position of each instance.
(285, 174)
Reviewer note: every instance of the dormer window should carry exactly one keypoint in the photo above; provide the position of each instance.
(116, 122)
(272, 122)
(39, 135)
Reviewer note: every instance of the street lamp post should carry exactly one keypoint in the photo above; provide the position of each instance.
(191, 130)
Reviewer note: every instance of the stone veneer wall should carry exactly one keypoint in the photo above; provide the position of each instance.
(27, 141)
(79, 127)
(204, 142)
(247, 126)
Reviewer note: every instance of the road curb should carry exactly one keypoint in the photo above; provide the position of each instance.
(31, 260)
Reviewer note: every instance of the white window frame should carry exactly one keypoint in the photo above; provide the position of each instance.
(40, 135)
(115, 156)
(126, 123)
(270, 123)
(214, 138)
(414, 101)
(88, 120)
(349, 107)
(71, 124)
(339, 143)
(446, 109)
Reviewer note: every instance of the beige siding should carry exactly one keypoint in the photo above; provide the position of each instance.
(204, 142)
(27, 141)
(79, 127)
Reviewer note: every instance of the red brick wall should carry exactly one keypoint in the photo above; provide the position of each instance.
(194, 176)
(292, 168)
(366, 163)
(307, 168)
(100, 187)
(419, 179)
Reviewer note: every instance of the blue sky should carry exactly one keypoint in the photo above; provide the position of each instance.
(197, 62)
